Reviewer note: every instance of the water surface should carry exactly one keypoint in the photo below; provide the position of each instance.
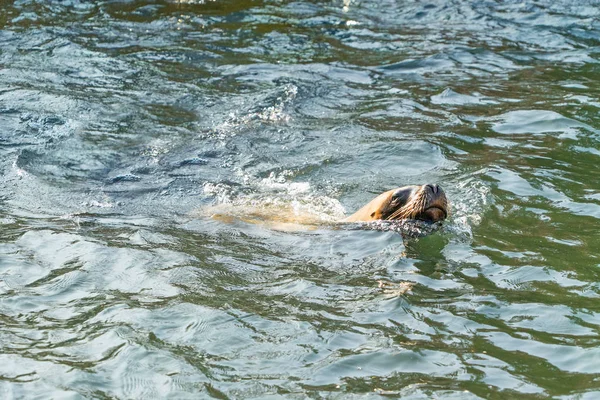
(120, 121)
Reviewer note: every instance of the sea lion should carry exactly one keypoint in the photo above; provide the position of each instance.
(426, 202)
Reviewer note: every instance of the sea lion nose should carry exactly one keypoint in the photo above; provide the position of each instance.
(434, 188)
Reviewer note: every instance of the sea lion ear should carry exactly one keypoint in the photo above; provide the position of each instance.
(373, 214)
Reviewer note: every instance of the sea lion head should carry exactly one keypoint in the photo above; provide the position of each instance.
(425, 202)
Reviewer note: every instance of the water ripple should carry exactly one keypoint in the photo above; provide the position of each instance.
(148, 150)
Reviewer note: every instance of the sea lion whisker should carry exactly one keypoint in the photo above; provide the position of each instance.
(394, 215)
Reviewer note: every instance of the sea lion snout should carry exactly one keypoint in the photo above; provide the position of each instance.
(435, 204)
(433, 214)
(435, 188)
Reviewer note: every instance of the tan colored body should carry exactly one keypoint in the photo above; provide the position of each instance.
(425, 202)
(279, 218)
(371, 211)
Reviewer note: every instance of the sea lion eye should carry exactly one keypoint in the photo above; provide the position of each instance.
(400, 196)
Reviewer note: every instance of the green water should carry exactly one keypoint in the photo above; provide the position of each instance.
(121, 122)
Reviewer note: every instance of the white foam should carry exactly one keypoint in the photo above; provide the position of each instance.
(469, 198)
(274, 113)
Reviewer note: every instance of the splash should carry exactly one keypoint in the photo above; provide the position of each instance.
(273, 199)
(469, 197)
(267, 110)
(407, 228)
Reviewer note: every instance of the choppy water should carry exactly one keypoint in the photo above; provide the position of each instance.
(120, 121)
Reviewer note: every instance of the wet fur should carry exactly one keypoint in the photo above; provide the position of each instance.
(383, 206)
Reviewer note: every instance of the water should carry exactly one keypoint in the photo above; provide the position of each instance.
(122, 122)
